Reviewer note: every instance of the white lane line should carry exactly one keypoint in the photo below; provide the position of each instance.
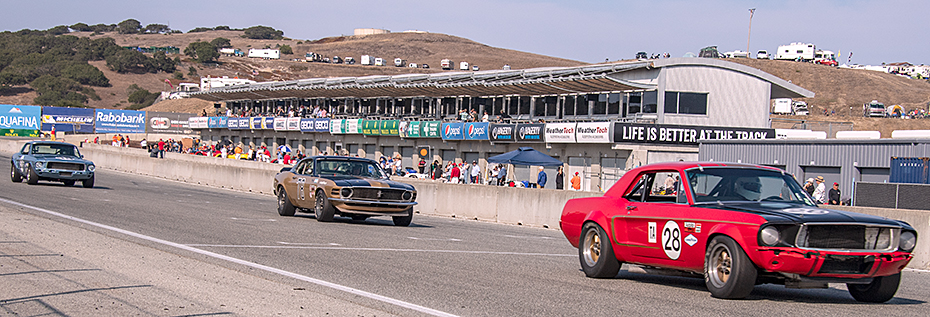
(434, 239)
(254, 219)
(293, 243)
(528, 237)
(917, 270)
(375, 249)
(346, 289)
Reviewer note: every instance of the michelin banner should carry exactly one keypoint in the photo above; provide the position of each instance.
(20, 120)
(80, 120)
(168, 122)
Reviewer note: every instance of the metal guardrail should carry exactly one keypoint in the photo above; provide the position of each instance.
(831, 127)
(892, 195)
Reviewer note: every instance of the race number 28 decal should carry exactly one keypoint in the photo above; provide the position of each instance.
(671, 240)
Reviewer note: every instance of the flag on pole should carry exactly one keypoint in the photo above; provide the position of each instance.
(169, 83)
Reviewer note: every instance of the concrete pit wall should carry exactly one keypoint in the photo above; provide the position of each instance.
(515, 206)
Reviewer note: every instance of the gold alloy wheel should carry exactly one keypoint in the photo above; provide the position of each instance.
(721, 263)
(592, 247)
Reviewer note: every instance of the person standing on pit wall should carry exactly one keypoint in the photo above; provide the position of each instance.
(422, 166)
(435, 170)
(576, 182)
(541, 178)
(454, 174)
(502, 176)
(835, 194)
(466, 168)
(560, 179)
(809, 187)
(161, 148)
(475, 172)
(820, 191)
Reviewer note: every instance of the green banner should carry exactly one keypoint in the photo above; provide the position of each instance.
(390, 127)
(21, 132)
(430, 129)
(413, 129)
(371, 127)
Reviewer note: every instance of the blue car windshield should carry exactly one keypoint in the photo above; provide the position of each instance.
(742, 184)
(55, 149)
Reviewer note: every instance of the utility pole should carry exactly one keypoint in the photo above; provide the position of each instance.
(748, 37)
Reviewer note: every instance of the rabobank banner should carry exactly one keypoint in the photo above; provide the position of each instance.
(476, 131)
(119, 121)
(20, 120)
(453, 130)
(79, 120)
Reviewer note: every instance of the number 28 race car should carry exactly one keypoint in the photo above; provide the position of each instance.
(739, 225)
(353, 187)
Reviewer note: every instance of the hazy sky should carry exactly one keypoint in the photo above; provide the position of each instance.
(584, 30)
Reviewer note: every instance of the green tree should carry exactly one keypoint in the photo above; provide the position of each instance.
(221, 42)
(81, 27)
(129, 61)
(139, 97)
(59, 30)
(156, 28)
(58, 91)
(202, 52)
(191, 71)
(163, 63)
(178, 75)
(100, 28)
(129, 26)
(85, 74)
(286, 49)
(221, 28)
(199, 29)
(263, 33)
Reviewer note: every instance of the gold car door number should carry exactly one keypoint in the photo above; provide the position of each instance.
(300, 188)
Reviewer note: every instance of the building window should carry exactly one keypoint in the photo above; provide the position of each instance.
(613, 104)
(650, 102)
(685, 102)
(600, 103)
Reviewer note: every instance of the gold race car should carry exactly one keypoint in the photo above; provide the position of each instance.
(348, 186)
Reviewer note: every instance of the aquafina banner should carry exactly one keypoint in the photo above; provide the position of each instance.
(20, 120)
(119, 121)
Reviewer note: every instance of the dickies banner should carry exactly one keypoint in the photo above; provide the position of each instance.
(685, 135)
(79, 120)
(168, 122)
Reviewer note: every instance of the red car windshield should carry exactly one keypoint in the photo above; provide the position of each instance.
(741, 184)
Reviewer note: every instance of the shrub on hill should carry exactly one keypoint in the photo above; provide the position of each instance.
(286, 49)
(60, 91)
(202, 52)
(129, 26)
(221, 42)
(140, 98)
(263, 33)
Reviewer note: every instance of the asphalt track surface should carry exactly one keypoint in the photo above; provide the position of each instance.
(436, 266)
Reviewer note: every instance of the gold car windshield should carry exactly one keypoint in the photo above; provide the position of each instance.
(350, 168)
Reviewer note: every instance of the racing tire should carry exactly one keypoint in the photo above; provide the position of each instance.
(88, 183)
(322, 208)
(69, 182)
(285, 208)
(31, 177)
(728, 272)
(15, 175)
(596, 253)
(882, 289)
(404, 221)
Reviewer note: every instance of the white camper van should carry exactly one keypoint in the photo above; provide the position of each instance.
(446, 64)
(379, 61)
(463, 66)
(796, 51)
(265, 53)
(367, 60)
(782, 106)
(398, 62)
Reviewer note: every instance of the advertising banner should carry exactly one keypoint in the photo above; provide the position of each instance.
(168, 122)
(233, 124)
(684, 135)
(255, 123)
(321, 125)
(430, 129)
(217, 122)
(530, 132)
(502, 132)
(453, 130)
(371, 127)
(199, 122)
(119, 121)
(336, 126)
(279, 124)
(411, 129)
(241, 123)
(20, 120)
(390, 127)
(593, 132)
(353, 126)
(560, 133)
(268, 123)
(476, 131)
(79, 120)
(306, 125)
(293, 124)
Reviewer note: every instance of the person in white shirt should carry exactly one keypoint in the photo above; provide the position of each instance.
(475, 169)
(820, 191)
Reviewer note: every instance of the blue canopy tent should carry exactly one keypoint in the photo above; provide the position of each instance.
(525, 156)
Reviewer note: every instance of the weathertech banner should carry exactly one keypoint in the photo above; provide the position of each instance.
(68, 119)
(20, 120)
(168, 122)
(560, 132)
(199, 122)
(684, 135)
(119, 121)
(593, 132)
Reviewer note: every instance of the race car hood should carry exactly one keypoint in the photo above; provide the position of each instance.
(799, 213)
(356, 181)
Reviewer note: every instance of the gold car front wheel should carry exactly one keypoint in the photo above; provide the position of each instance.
(322, 208)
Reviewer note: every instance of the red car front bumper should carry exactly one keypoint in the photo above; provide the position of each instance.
(831, 264)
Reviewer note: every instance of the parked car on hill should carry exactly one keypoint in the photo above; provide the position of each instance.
(51, 161)
(738, 225)
(352, 187)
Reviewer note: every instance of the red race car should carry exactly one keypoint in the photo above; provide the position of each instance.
(739, 225)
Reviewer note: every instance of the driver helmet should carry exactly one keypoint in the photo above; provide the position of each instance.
(749, 187)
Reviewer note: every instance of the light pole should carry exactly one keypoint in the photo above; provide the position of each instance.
(749, 36)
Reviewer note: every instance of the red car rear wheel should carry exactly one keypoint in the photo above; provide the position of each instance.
(596, 253)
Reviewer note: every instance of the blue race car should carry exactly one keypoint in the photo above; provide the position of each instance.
(51, 161)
